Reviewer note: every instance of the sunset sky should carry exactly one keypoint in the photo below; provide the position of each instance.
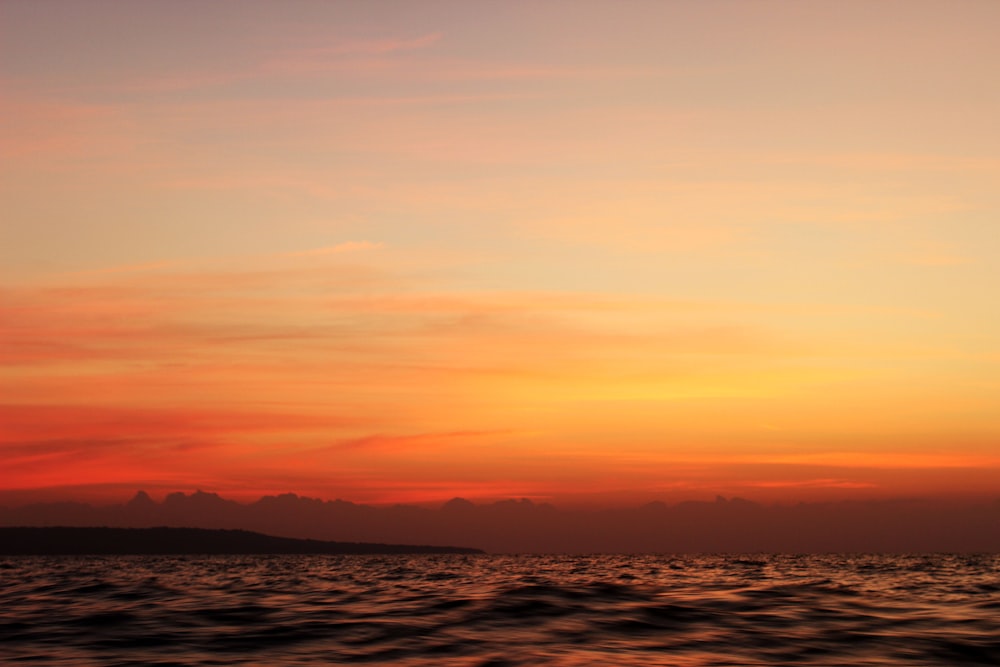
(581, 252)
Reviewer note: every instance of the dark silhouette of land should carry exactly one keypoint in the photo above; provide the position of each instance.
(63, 540)
(729, 525)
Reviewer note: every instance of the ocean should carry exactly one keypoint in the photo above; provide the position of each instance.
(495, 611)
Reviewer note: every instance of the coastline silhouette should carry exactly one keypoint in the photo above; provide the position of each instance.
(65, 540)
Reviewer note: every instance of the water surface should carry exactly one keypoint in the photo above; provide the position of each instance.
(500, 610)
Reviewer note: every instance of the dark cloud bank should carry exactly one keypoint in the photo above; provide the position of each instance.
(511, 526)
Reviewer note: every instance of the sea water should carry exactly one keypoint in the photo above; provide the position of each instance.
(501, 610)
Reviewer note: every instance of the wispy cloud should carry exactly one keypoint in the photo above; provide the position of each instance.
(415, 442)
(934, 259)
(38, 128)
(332, 57)
(341, 55)
(379, 46)
(127, 268)
(337, 249)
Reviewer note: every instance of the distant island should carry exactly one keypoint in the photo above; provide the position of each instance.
(61, 540)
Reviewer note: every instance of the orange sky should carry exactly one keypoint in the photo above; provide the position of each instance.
(587, 252)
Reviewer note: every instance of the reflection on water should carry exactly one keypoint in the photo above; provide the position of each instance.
(501, 610)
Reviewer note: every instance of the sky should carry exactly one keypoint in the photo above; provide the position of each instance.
(588, 253)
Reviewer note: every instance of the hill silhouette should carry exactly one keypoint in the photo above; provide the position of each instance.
(64, 540)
